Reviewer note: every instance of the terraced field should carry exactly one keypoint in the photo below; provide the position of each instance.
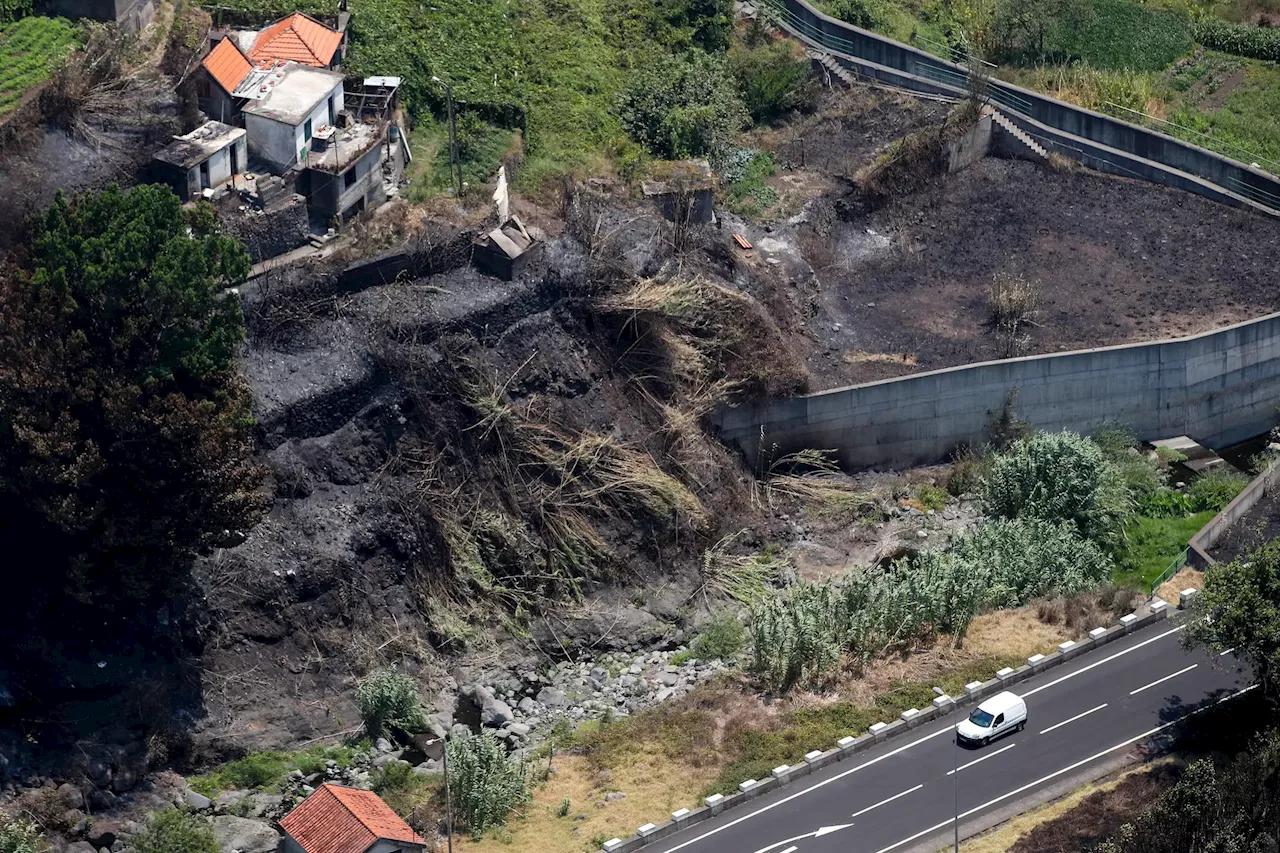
(30, 50)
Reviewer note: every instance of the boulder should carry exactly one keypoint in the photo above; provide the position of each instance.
(124, 780)
(242, 835)
(262, 804)
(227, 799)
(382, 745)
(494, 713)
(551, 697)
(199, 802)
(102, 800)
(527, 706)
(81, 847)
(70, 796)
(518, 729)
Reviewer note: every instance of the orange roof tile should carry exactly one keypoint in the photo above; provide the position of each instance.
(335, 819)
(227, 65)
(297, 38)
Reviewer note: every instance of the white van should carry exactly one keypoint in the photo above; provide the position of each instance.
(997, 716)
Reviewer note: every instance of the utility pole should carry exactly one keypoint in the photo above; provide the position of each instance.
(955, 763)
(453, 147)
(448, 804)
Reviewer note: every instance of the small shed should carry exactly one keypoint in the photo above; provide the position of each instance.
(205, 158)
(504, 251)
(337, 819)
(682, 190)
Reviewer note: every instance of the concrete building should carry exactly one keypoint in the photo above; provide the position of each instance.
(131, 15)
(205, 158)
(343, 174)
(225, 79)
(287, 106)
(335, 819)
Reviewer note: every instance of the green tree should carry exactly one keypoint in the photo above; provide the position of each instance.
(1058, 476)
(1243, 598)
(389, 697)
(173, 831)
(125, 433)
(681, 107)
(486, 784)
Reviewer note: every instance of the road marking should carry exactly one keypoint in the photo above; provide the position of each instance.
(1163, 680)
(982, 759)
(822, 830)
(1101, 662)
(1073, 719)
(1227, 652)
(889, 800)
(799, 794)
(1068, 769)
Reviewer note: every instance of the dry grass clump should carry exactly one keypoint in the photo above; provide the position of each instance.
(813, 479)
(1080, 614)
(904, 167)
(1187, 578)
(528, 512)
(1014, 302)
(744, 577)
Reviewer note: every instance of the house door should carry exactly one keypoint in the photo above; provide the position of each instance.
(204, 175)
(332, 114)
(235, 165)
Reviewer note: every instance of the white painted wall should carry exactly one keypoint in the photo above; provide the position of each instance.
(219, 167)
(283, 145)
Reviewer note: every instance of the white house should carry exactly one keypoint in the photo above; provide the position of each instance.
(288, 105)
(205, 158)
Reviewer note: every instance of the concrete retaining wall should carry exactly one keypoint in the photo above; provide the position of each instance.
(901, 65)
(1218, 387)
(1207, 537)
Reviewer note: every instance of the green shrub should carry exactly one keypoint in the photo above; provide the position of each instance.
(722, 638)
(748, 193)
(1240, 39)
(20, 836)
(1214, 489)
(485, 784)
(1057, 477)
(931, 497)
(966, 472)
(681, 107)
(266, 771)
(772, 81)
(1165, 503)
(174, 831)
(387, 697)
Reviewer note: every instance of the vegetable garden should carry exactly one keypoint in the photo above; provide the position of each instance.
(30, 50)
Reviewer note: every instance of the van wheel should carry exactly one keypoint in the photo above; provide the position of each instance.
(1022, 725)
(986, 741)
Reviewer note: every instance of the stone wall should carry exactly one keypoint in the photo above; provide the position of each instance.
(1218, 388)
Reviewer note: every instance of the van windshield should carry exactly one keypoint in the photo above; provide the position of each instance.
(981, 718)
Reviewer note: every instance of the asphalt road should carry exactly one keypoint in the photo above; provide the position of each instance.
(901, 795)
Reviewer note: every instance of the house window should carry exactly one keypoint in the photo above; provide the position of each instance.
(349, 179)
(306, 131)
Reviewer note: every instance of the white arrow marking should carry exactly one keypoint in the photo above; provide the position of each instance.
(821, 831)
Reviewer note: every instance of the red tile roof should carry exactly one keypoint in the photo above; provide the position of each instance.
(335, 819)
(227, 65)
(299, 39)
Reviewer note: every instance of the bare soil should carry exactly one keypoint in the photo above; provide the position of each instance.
(904, 289)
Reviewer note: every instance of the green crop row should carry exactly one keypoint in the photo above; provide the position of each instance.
(1240, 39)
(30, 49)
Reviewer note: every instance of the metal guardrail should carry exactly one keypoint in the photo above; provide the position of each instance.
(1179, 562)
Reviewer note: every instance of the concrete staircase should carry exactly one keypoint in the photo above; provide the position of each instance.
(831, 69)
(1017, 133)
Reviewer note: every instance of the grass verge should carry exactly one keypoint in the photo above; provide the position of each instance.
(1152, 545)
(267, 771)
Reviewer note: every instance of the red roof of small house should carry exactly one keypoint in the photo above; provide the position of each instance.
(335, 819)
(297, 38)
(227, 65)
